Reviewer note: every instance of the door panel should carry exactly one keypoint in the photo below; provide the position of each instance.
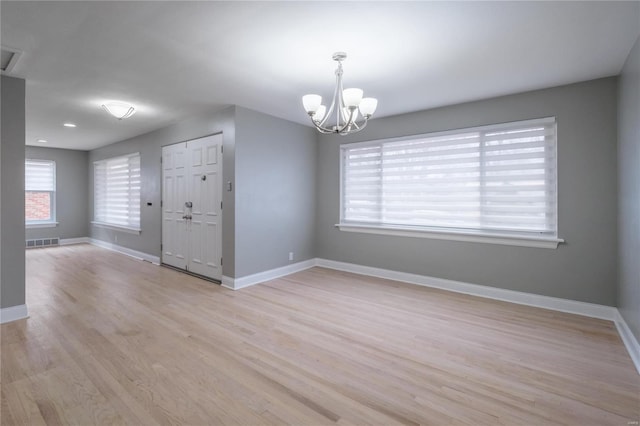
(212, 154)
(197, 195)
(180, 236)
(195, 246)
(212, 258)
(196, 153)
(168, 196)
(211, 204)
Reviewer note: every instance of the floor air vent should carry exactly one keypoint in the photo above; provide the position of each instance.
(43, 242)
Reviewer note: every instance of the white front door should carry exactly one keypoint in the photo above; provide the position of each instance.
(205, 186)
(193, 238)
(174, 195)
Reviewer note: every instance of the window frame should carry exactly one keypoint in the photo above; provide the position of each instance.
(111, 225)
(52, 221)
(513, 238)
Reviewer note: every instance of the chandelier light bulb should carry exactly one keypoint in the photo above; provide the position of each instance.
(311, 103)
(368, 106)
(319, 115)
(352, 97)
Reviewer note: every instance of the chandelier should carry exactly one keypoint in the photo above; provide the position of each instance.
(347, 104)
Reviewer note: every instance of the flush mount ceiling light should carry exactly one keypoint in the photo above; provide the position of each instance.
(119, 110)
(41, 140)
(69, 125)
(345, 106)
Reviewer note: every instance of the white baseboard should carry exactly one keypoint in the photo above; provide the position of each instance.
(547, 302)
(260, 277)
(81, 240)
(124, 250)
(13, 313)
(629, 340)
(227, 282)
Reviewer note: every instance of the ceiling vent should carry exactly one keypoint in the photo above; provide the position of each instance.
(8, 59)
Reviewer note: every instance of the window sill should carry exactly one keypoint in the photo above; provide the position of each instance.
(470, 236)
(121, 228)
(41, 225)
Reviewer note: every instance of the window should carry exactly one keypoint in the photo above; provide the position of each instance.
(497, 180)
(117, 192)
(40, 192)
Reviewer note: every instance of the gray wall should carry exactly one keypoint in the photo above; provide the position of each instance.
(71, 192)
(150, 147)
(270, 212)
(583, 269)
(629, 191)
(12, 122)
(275, 198)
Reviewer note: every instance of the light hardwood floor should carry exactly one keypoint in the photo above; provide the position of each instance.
(115, 340)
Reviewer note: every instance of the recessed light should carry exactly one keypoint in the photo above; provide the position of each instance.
(42, 140)
(69, 125)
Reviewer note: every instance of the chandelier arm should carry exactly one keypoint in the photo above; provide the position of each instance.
(356, 125)
(358, 128)
(340, 103)
(322, 129)
(335, 94)
(361, 125)
(346, 128)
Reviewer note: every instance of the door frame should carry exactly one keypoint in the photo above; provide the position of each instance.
(221, 239)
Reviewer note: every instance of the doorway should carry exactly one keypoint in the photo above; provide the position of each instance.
(192, 206)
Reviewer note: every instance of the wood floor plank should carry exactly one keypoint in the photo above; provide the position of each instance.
(114, 340)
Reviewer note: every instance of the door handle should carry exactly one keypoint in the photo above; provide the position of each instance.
(187, 217)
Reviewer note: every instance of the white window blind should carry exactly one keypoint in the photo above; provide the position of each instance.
(117, 191)
(494, 178)
(39, 175)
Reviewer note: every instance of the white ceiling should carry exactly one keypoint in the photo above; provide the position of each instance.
(176, 59)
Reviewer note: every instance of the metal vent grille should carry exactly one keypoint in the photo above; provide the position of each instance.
(8, 58)
(43, 242)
